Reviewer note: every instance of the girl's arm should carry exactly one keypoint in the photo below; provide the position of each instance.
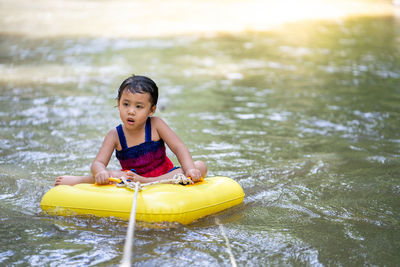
(102, 159)
(177, 147)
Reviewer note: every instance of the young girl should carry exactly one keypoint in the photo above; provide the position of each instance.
(139, 142)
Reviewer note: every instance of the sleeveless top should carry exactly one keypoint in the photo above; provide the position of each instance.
(148, 159)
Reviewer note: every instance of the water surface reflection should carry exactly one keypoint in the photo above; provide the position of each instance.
(306, 119)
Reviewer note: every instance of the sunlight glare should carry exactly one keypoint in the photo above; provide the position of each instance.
(122, 18)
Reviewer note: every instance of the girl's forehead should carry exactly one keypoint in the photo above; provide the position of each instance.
(128, 95)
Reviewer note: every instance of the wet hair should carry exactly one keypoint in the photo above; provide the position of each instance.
(141, 85)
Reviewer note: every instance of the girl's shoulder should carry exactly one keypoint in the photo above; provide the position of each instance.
(112, 135)
(113, 139)
(157, 122)
(158, 127)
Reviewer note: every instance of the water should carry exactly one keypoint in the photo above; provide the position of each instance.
(305, 117)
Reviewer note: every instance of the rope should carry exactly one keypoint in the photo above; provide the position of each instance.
(126, 259)
(137, 186)
(228, 246)
(178, 178)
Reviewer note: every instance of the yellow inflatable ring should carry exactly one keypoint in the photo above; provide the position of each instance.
(155, 203)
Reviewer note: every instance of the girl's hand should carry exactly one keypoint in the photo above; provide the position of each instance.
(195, 174)
(135, 177)
(102, 177)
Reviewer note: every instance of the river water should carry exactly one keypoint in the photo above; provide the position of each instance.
(306, 118)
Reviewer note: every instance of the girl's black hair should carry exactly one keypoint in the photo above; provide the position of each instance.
(141, 85)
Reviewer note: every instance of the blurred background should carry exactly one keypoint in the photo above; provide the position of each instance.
(298, 101)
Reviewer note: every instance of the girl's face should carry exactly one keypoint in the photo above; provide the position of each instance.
(134, 108)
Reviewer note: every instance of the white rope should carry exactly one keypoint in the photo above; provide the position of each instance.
(126, 259)
(178, 178)
(228, 246)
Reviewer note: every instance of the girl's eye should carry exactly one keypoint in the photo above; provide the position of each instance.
(138, 106)
(126, 104)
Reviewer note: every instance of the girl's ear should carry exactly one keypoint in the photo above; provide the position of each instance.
(153, 110)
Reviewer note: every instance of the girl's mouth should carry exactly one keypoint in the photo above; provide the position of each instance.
(130, 121)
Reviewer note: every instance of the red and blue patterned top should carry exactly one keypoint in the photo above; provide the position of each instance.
(148, 159)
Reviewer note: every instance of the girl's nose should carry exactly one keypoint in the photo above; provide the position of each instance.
(131, 111)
